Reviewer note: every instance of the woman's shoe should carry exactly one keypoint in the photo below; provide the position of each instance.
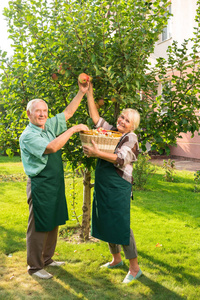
(107, 265)
(130, 277)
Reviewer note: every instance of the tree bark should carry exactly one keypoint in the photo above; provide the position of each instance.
(85, 228)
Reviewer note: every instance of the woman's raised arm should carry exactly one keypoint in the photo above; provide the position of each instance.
(91, 105)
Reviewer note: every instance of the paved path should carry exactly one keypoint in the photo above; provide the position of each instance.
(180, 162)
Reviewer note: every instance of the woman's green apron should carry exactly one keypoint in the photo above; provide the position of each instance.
(111, 205)
(48, 195)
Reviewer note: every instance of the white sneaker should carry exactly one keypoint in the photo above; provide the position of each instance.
(42, 274)
(56, 264)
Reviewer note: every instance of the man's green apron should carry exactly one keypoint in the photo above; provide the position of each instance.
(48, 195)
(111, 205)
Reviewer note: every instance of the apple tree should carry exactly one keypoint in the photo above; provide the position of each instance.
(54, 41)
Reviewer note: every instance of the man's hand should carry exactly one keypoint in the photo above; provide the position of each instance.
(80, 127)
(62, 139)
(83, 87)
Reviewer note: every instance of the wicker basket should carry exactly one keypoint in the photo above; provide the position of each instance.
(106, 143)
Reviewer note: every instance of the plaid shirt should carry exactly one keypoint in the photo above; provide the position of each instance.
(127, 151)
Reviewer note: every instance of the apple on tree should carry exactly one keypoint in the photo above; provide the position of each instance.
(113, 99)
(54, 76)
(101, 102)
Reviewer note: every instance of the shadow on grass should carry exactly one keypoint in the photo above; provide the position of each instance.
(100, 287)
(12, 240)
(96, 284)
(177, 272)
(158, 291)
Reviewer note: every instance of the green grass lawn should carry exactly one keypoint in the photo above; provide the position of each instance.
(167, 213)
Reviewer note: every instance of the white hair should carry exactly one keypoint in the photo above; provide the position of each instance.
(30, 104)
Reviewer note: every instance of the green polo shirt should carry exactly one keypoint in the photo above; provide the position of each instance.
(34, 140)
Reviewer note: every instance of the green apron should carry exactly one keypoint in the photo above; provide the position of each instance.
(111, 205)
(48, 195)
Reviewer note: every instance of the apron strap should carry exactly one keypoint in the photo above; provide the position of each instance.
(120, 141)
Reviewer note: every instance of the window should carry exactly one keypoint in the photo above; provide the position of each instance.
(166, 34)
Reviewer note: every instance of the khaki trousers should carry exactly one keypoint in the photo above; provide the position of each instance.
(40, 245)
(130, 251)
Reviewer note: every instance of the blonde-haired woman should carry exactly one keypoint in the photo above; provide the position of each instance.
(113, 186)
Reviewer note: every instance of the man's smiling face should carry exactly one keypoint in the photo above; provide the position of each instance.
(38, 114)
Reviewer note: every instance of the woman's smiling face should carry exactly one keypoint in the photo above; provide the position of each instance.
(124, 123)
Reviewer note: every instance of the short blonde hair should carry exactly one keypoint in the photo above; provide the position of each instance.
(134, 117)
(30, 104)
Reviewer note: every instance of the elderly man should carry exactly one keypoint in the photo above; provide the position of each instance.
(40, 145)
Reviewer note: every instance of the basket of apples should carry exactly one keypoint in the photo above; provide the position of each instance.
(106, 140)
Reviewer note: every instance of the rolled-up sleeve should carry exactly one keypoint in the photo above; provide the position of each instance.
(34, 141)
(128, 151)
(102, 123)
(124, 156)
(57, 123)
(35, 145)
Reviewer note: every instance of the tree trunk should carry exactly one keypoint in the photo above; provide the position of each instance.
(116, 113)
(85, 228)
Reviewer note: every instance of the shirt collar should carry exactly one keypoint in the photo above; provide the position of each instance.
(34, 127)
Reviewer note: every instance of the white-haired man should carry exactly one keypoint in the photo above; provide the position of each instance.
(40, 145)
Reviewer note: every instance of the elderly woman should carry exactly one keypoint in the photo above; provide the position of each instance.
(112, 191)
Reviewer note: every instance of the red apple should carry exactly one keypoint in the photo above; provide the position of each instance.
(101, 130)
(54, 76)
(101, 102)
(84, 78)
(113, 99)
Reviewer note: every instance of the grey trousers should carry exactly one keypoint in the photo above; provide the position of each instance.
(130, 251)
(40, 245)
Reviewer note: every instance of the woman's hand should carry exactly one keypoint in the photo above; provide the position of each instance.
(95, 152)
(90, 90)
(91, 151)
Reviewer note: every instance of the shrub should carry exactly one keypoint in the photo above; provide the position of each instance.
(168, 166)
(141, 171)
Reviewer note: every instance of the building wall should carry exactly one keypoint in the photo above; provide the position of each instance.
(187, 146)
(181, 26)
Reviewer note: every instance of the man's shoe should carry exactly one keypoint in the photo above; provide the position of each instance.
(130, 277)
(42, 274)
(56, 264)
(107, 265)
